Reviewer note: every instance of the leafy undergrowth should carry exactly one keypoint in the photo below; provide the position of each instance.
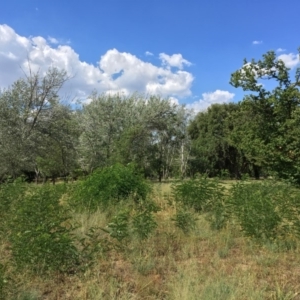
(180, 255)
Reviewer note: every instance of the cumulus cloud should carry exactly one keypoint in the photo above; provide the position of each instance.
(216, 97)
(175, 60)
(291, 60)
(115, 72)
(257, 42)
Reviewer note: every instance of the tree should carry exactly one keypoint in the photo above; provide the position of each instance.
(29, 112)
(267, 114)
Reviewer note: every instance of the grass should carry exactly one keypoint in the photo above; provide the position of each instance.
(205, 264)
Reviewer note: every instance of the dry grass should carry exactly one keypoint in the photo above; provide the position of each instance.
(206, 265)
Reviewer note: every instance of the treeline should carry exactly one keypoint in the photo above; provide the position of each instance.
(40, 137)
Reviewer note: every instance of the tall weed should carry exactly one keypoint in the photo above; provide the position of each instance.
(41, 234)
(266, 211)
(143, 222)
(204, 195)
(201, 194)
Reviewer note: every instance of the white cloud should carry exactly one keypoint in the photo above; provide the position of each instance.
(175, 60)
(137, 75)
(148, 53)
(257, 42)
(216, 97)
(280, 50)
(116, 71)
(291, 60)
(52, 40)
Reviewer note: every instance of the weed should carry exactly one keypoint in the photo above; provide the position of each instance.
(201, 194)
(41, 236)
(185, 220)
(265, 211)
(118, 227)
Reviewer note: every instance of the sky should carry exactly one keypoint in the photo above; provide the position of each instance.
(184, 50)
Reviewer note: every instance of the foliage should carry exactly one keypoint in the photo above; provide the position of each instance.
(266, 211)
(110, 185)
(41, 234)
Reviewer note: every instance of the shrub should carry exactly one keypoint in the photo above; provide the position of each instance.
(111, 185)
(41, 236)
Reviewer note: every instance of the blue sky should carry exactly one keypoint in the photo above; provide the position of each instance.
(180, 49)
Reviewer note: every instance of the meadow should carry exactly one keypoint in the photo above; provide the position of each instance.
(192, 239)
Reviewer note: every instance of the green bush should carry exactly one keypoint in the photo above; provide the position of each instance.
(266, 211)
(111, 185)
(41, 235)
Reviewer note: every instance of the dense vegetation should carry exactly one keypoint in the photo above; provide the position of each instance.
(114, 234)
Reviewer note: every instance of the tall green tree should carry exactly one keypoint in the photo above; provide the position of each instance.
(266, 117)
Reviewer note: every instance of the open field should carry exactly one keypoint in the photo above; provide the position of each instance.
(170, 264)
